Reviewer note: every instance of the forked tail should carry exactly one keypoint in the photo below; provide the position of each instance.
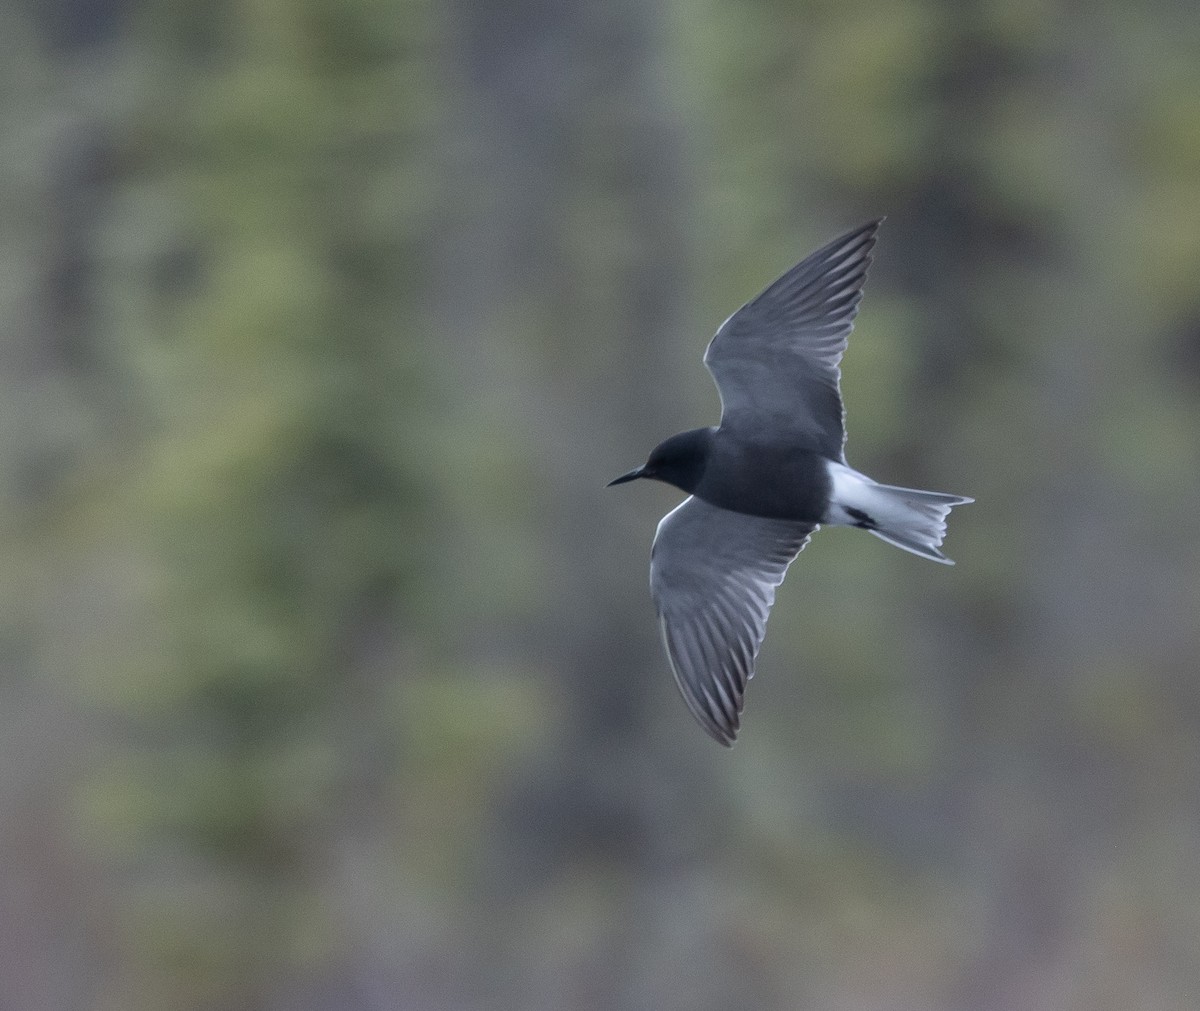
(906, 517)
(916, 520)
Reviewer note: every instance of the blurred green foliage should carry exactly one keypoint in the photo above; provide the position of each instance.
(331, 676)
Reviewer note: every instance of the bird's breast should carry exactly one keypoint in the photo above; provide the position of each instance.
(771, 481)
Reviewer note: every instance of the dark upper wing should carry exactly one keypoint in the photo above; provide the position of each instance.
(713, 575)
(776, 359)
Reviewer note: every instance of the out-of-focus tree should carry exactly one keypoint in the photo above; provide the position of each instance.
(331, 680)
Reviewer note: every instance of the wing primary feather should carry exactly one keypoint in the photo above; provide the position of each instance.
(691, 695)
(854, 266)
(739, 645)
(726, 726)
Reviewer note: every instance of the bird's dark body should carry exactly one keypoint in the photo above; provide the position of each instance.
(756, 477)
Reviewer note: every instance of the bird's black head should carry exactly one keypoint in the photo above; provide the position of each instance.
(679, 461)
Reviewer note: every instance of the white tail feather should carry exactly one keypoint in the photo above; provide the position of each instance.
(906, 517)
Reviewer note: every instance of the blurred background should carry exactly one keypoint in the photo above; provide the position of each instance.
(330, 677)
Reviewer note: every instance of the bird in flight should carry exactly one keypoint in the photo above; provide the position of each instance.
(763, 480)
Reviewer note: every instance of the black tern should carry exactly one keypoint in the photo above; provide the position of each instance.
(763, 480)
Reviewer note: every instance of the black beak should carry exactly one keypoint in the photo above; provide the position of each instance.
(633, 475)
